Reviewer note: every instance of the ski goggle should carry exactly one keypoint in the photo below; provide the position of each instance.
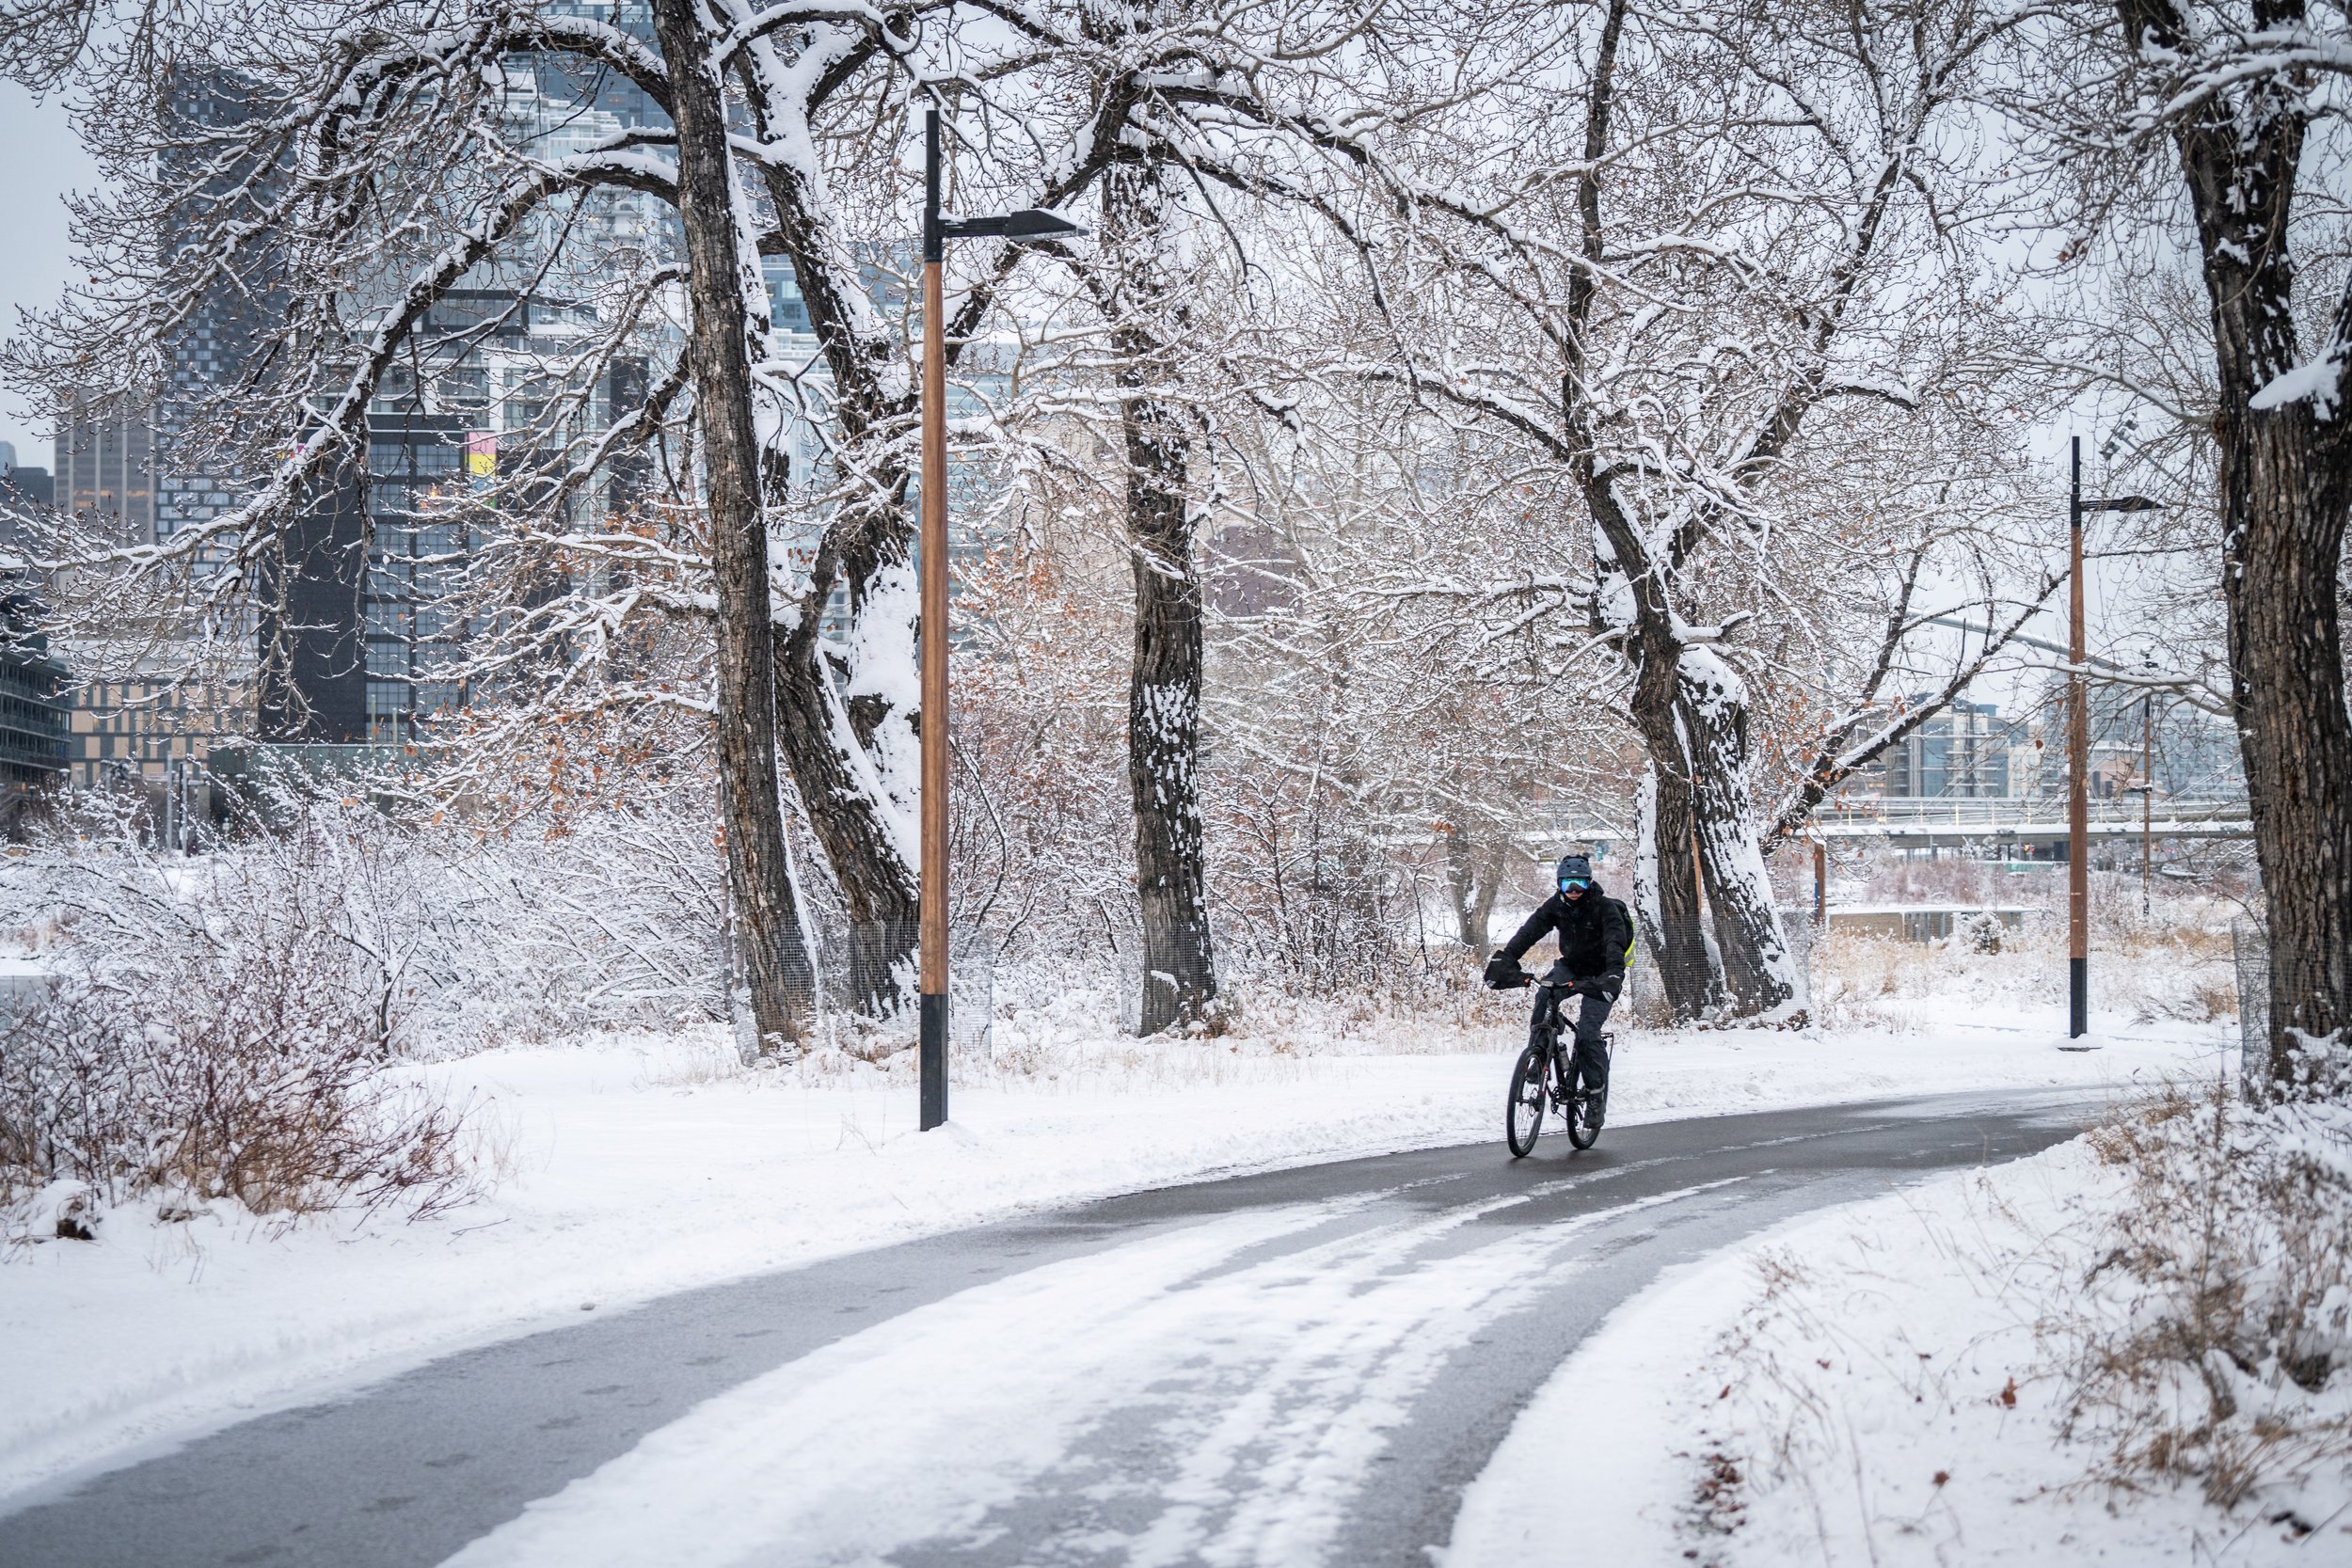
(1576, 883)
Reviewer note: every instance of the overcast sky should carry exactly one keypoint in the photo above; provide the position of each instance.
(39, 162)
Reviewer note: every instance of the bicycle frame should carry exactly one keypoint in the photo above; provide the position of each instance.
(1544, 1081)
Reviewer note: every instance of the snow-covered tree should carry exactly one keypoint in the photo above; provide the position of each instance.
(331, 178)
(1700, 266)
(2213, 130)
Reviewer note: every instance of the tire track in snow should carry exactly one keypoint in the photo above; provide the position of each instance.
(1266, 1393)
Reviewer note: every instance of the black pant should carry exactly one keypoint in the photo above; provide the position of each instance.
(1590, 1061)
(1592, 1058)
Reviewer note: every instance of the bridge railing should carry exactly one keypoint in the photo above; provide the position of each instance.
(1997, 812)
(1543, 830)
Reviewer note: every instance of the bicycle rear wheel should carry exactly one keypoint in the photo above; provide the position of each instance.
(1523, 1117)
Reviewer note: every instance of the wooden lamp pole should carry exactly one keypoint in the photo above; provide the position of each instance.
(1030, 224)
(2077, 785)
(933, 641)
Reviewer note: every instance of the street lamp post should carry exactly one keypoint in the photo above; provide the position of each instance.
(1030, 224)
(2147, 794)
(2078, 751)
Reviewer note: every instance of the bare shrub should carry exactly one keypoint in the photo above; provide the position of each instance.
(227, 1027)
(2171, 961)
(612, 922)
(2214, 1342)
(247, 1069)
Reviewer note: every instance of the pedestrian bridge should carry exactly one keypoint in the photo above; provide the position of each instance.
(1952, 821)
(1957, 820)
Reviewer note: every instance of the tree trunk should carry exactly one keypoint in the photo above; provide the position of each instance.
(2286, 482)
(2285, 652)
(775, 952)
(849, 722)
(1473, 876)
(1754, 951)
(1164, 683)
(1666, 895)
(878, 889)
(1163, 764)
(1690, 710)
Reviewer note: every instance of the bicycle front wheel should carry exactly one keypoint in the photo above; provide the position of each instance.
(1523, 1117)
(1581, 1129)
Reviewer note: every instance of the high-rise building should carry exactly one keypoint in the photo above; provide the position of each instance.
(130, 468)
(1963, 752)
(422, 469)
(105, 467)
(33, 703)
(310, 683)
(23, 486)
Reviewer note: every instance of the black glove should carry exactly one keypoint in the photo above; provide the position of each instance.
(1505, 973)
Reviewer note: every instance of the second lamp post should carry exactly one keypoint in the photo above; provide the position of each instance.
(2078, 751)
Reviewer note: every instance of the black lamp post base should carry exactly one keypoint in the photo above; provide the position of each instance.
(932, 1056)
(2078, 998)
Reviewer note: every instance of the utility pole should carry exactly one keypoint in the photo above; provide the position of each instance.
(1030, 224)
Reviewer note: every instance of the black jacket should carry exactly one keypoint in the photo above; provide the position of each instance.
(1595, 933)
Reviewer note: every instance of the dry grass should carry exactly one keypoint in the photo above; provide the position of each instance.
(1058, 1028)
(2211, 1341)
(2173, 963)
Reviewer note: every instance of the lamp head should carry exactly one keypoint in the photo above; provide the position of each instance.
(1031, 223)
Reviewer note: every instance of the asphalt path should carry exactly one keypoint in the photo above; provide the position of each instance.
(405, 1472)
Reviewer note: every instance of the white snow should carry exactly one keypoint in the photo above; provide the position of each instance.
(2319, 380)
(1271, 1384)
(1863, 1385)
(637, 1167)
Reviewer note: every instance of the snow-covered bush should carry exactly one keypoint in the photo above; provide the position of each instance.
(612, 921)
(236, 1024)
(2212, 1341)
(231, 1047)
(464, 934)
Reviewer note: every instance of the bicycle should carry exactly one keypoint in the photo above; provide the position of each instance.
(1539, 1082)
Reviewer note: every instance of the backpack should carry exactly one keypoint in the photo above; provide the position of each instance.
(1631, 931)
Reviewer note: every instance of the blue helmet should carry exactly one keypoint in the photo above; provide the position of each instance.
(1574, 871)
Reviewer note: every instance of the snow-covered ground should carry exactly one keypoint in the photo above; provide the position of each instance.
(632, 1169)
(1881, 1383)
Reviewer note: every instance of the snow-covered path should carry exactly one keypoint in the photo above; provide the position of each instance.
(1288, 1369)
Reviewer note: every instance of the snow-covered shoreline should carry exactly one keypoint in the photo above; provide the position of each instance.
(634, 1168)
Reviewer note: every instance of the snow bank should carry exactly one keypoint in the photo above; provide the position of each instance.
(1891, 1382)
(635, 1167)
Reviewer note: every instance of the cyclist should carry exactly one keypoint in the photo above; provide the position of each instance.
(1596, 934)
